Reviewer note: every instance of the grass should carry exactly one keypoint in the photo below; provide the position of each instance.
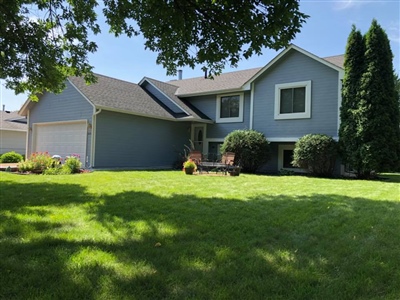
(165, 235)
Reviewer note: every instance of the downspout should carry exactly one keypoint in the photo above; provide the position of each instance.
(92, 156)
(28, 135)
(251, 105)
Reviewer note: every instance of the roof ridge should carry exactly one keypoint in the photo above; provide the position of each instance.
(109, 77)
(332, 56)
(163, 82)
(230, 72)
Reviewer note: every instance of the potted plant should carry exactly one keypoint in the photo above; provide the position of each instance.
(235, 171)
(189, 167)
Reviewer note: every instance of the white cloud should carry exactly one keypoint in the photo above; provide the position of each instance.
(347, 4)
(393, 31)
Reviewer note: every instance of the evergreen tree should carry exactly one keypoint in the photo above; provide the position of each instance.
(354, 68)
(378, 112)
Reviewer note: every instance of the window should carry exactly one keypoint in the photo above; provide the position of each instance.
(293, 100)
(288, 158)
(229, 108)
(285, 158)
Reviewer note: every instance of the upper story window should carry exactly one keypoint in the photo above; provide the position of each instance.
(229, 108)
(293, 100)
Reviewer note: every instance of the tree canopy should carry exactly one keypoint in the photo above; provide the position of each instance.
(44, 41)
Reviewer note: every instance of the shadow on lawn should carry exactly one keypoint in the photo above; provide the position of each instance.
(323, 246)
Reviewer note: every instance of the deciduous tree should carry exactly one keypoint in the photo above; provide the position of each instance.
(44, 41)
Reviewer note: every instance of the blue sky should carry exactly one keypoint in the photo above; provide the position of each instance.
(324, 34)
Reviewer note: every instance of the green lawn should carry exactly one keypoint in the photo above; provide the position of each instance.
(166, 235)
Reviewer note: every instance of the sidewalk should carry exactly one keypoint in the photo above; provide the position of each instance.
(13, 166)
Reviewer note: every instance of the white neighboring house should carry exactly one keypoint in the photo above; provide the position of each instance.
(13, 130)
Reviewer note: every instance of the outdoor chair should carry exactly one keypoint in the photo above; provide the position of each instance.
(195, 156)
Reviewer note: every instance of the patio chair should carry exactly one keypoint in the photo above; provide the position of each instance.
(228, 160)
(195, 156)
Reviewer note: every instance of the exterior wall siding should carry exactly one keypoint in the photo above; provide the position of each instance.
(70, 105)
(297, 67)
(129, 141)
(208, 106)
(12, 141)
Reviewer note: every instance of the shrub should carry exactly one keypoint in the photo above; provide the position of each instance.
(58, 170)
(316, 153)
(73, 163)
(11, 157)
(251, 148)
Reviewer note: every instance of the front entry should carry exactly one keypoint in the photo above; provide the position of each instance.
(198, 136)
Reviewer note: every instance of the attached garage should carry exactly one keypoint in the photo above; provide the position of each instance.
(61, 138)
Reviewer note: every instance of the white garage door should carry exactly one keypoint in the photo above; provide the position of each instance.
(62, 139)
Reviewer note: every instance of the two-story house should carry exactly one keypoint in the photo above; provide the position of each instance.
(115, 123)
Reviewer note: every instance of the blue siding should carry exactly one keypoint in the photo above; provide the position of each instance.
(130, 141)
(70, 105)
(208, 106)
(296, 67)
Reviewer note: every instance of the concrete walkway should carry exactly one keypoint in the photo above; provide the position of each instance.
(13, 166)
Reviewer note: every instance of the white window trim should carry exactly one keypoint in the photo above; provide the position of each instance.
(281, 148)
(193, 139)
(238, 119)
(282, 86)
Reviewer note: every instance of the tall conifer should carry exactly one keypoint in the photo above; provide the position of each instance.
(378, 111)
(354, 69)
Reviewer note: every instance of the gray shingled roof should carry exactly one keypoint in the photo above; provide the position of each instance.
(111, 93)
(227, 81)
(6, 122)
(337, 60)
(170, 91)
(224, 82)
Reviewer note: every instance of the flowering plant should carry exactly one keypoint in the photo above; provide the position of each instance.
(41, 160)
(189, 164)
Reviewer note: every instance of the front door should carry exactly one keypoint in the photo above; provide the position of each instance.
(198, 135)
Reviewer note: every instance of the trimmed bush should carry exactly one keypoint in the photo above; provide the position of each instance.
(11, 157)
(251, 149)
(316, 153)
